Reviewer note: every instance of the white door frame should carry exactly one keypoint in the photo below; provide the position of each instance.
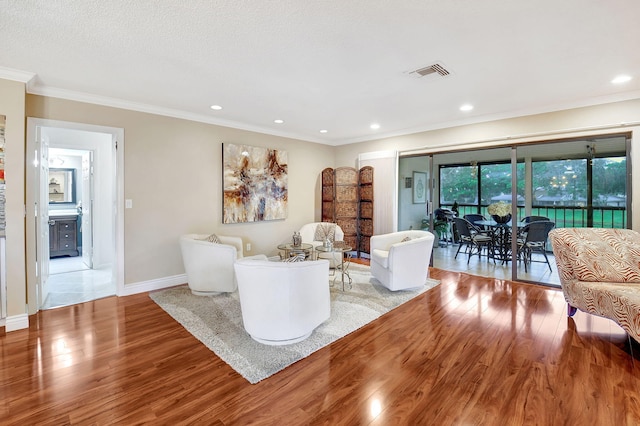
(33, 191)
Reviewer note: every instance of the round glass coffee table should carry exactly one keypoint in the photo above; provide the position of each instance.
(342, 266)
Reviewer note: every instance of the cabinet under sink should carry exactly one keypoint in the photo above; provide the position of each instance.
(63, 236)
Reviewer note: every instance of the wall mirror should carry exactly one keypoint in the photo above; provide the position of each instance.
(62, 186)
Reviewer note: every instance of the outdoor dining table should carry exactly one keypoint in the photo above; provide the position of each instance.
(500, 248)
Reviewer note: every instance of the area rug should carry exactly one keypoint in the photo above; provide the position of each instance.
(217, 322)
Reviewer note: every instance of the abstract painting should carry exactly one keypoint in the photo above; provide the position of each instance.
(255, 183)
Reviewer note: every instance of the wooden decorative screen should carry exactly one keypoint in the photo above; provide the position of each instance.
(347, 199)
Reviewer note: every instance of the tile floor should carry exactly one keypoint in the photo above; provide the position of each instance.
(71, 282)
(443, 258)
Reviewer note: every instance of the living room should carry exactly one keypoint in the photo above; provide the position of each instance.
(171, 172)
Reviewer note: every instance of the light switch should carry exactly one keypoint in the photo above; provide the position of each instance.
(128, 203)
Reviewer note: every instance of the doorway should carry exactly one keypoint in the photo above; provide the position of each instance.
(74, 276)
(73, 191)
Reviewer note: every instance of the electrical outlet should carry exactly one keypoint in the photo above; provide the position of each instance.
(248, 246)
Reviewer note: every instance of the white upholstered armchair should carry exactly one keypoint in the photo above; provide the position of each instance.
(399, 264)
(283, 302)
(314, 233)
(209, 266)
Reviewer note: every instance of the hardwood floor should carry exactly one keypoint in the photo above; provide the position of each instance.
(472, 350)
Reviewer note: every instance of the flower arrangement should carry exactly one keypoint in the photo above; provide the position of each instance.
(500, 209)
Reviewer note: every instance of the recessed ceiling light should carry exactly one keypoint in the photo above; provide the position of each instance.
(375, 126)
(216, 107)
(323, 131)
(278, 121)
(621, 79)
(466, 107)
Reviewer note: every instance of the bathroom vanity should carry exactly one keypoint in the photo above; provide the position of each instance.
(63, 236)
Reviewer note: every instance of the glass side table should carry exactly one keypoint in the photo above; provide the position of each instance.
(342, 267)
(291, 250)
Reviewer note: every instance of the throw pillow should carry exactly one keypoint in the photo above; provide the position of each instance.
(296, 258)
(405, 239)
(213, 238)
(325, 231)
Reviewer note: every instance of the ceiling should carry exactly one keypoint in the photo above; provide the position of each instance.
(334, 65)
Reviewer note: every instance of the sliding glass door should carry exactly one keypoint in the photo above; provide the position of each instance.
(467, 183)
(578, 183)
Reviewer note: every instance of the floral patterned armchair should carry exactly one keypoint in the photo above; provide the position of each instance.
(600, 273)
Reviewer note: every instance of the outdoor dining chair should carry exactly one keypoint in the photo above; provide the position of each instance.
(535, 240)
(473, 218)
(529, 219)
(471, 238)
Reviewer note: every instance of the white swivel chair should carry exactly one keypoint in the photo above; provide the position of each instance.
(312, 235)
(398, 264)
(283, 302)
(209, 266)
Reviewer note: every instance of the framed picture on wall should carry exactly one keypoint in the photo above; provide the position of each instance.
(255, 182)
(419, 188)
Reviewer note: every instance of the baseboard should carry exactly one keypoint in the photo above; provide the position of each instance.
(16, 322)
(151, 285)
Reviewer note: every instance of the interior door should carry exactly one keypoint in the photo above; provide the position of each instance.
(86, 209)
(42, 217)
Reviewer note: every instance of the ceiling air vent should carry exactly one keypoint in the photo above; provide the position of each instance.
(432, 70)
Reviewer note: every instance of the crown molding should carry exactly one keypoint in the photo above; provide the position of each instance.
(34, 88)
(16, 75)
(151, 109)
(594, 101)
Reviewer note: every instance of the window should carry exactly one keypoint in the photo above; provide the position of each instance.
(495, 183)
(458, 183)
(559, 183)
(561, 191)
(475, 186)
